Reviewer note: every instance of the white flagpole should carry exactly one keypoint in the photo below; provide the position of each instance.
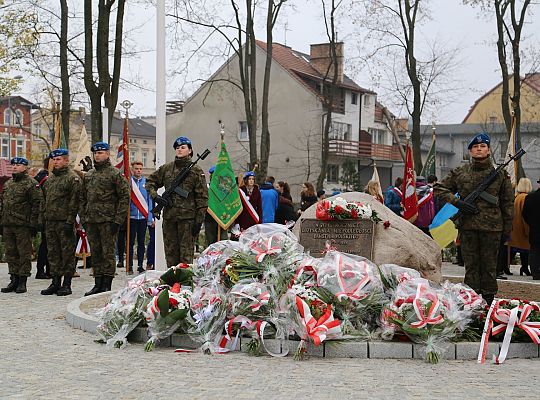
(161, 135)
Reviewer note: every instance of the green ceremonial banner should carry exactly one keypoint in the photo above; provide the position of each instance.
(224, 203)
(429, 165)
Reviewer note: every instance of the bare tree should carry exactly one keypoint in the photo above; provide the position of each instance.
(329, 85)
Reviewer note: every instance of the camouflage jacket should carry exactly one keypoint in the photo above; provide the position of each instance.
(490, 217)
(61, 193)
(20, 201)
(105, 195)
(195, 204)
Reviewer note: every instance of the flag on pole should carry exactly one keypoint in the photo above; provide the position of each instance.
(512, 149)
(224, 203)
(58, 140)
(429, 166)
(442, 228)
(83, 147)
(122, 156)
(375, 178)
(410, 200)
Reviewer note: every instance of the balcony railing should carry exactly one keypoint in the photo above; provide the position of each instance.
(351, 148)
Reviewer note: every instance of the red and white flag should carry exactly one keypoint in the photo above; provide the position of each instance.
(410, 201)
(122, 156)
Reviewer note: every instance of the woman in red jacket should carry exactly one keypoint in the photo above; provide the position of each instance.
(251, 203)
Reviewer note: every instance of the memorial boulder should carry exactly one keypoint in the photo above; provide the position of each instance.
(400, 243)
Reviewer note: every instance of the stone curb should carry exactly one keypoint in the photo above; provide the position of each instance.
(329, 349)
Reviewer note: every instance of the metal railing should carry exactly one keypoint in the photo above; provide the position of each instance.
(351, 148)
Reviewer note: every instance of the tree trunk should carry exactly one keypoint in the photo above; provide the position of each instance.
(64, 72)
(501, 51)
(252, 76)
(112, 100)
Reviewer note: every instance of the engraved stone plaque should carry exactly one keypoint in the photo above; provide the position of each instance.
(348, 236)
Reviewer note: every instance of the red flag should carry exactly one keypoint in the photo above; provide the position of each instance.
(410, 201)
(123, 155)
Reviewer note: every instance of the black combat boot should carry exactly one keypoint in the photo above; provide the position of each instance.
(107, 283)
(98, 283)
(488, 298)
(21, 286)
(12, 285)
(53, 287)
(66, 287)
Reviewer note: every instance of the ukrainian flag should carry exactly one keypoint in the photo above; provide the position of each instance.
(442, 228)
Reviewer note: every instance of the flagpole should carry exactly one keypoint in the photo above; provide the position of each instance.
(127, 104)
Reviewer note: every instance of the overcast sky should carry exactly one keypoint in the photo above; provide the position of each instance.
(451, 21)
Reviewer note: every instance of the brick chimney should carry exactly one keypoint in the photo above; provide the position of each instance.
(321, 59)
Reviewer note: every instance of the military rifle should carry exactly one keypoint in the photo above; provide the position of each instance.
(480, 191)
(175, 188)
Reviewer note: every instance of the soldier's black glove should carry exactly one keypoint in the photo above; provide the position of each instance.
(68, 228)
(467, 208)
(33, 231)
(196, 228)
(162, 201)
(86, 164)
(114, 228)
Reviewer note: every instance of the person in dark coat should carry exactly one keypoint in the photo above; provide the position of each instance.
(285, 211)
(308, 197)
(252, 212)
(393, 196)
(531, 215)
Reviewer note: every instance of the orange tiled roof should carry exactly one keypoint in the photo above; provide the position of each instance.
(299, 64)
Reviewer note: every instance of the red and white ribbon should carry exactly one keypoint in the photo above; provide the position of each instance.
(351, 292)
(256, 302)
(507, 320)
(304, 269)
(423, 318)
(138, 199)
(248, 206)
(318, 330)
(263, 248)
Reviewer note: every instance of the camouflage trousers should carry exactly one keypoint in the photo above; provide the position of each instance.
(480, 250)
(103, 248)
(211, 231)
(61, 248)
(18, 243)
(178, 241)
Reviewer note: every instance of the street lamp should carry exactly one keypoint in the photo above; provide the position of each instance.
(16, 78)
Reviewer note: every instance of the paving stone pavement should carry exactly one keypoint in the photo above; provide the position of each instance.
(42, 357)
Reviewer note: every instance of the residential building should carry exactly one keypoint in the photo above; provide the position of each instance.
(487, 109)
(15, 130)
(453, 139)
(297, 116)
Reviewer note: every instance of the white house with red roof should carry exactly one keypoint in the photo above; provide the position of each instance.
(296, 112)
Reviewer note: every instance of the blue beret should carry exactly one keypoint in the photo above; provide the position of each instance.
(212, 169)
(58, 152)
(248, 174)
(19, 160)
(100, 146)
(180, 141)
(480, 138)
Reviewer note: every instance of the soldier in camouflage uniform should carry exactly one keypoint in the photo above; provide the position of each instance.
(182, 216)
(483, 223)
(19, 210)
(59, 209)
(103, 207)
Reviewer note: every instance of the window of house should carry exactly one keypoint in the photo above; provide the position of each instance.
(7, 116)
(37, 128)
(466, 154)
(378, 136)
(503, 146)
(442, 160)
(144, 142)
(5, 148)
(144, 158)
(19, 118)
(132, 155)
(243, 133)
(19, 148)
(354, 98)
(332, 173)
(340, 130)
(367, 100)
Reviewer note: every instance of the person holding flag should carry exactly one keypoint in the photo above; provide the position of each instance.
(480, 224)
(103, 203)
(140, 215)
